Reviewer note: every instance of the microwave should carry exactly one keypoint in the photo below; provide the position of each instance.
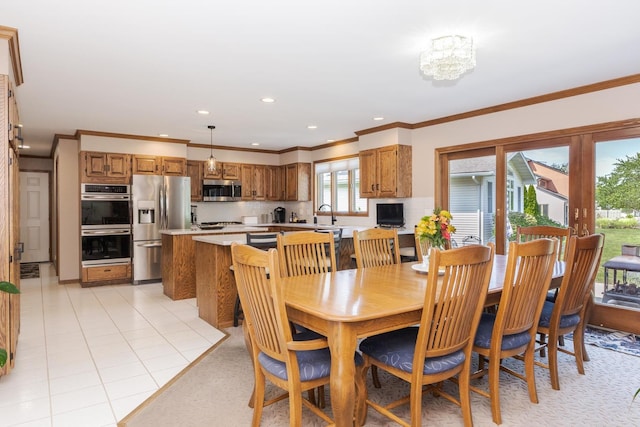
(221, 190)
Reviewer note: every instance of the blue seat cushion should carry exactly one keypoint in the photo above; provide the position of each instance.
(485, 333)
(565, 321)
(396, 349)
(313, 364)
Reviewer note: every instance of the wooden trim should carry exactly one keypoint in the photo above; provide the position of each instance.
(394, 125)
(554, 134)
(81, 132)
(610, 317)
(553, 96)
(11, 34)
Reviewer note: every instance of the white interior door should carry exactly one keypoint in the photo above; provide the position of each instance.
(34, 216)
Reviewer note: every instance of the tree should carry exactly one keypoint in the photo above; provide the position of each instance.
(621, 188)
(531, 201)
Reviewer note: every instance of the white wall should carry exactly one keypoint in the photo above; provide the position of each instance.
(67, 159)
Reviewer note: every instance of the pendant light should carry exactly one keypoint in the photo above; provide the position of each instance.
(211, 163)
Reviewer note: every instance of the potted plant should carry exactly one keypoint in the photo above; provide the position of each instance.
(11, 289)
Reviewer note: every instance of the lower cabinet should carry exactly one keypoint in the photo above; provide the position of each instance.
(106, 274)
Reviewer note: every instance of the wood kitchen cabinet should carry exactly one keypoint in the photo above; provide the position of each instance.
(274, 183)
(386, 172)
(158, 165)
(224, 171)
(298, 182)
(194, 171)
(111, 274)
(105, 167)
(253, 182)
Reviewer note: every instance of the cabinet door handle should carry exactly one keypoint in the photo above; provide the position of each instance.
(373, 187)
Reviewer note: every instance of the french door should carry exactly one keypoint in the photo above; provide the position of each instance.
(489, 192)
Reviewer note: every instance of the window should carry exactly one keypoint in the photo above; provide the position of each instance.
(489, 197)
(338, 185)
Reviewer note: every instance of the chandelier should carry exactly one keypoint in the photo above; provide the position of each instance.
(211, 162)
(448, 58)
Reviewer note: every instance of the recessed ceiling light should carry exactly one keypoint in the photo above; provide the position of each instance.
(203, 112)
(312, 127)
(268, 100)
(378, 118)
(163, 135)
(331, 140)
(255, 144)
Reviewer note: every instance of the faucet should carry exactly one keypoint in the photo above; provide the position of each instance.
(333, 218)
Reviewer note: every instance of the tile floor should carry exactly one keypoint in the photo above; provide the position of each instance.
(87, 357)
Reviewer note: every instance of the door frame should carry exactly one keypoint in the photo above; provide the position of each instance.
(581, 142)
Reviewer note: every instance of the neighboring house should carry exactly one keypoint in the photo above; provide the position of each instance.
(552, 191)
(473, 194)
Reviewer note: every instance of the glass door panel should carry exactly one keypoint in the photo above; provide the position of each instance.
(617, 216)
(472, 199)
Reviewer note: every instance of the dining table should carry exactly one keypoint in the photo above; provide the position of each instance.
(348, 305)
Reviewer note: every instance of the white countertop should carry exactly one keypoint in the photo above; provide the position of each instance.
(222, 239)
(227, 229)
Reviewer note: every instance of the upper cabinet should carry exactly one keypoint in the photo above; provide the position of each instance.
(194, 171)
(274, 183)
(156, 165)
(386, 172)
(298, 182)
(224, 171)
(253, 182)
(104, 167)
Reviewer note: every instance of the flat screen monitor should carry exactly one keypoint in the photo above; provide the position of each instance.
(390, 214)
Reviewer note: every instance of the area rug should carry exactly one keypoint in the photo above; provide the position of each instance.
(30, 270)
(623, 342)
(215, 390)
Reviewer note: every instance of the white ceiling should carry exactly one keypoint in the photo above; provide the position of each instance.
(144, 67)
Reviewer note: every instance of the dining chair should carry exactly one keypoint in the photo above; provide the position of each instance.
(511, 331)
(375, 247)
(262, 241)
(306, 252)
(293, 365)
(525, 234)
(440, 347)
(337, 242)
(568, 312)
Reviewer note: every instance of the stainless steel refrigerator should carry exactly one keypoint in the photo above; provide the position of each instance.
(159, 202)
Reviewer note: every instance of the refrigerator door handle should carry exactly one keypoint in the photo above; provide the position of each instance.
(150, 245)
(161, 205)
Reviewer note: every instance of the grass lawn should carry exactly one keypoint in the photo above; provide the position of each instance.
(613, 241)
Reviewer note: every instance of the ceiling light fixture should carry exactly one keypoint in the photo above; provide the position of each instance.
(268, 100)
(312, 127)
(448, 57)
(212, 162)
(202, 112)
(377, 119)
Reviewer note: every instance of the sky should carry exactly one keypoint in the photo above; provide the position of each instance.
(607, 153)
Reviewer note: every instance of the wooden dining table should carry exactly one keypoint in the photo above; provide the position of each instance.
(347, 305)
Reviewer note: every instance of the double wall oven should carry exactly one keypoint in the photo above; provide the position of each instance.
(105, 224)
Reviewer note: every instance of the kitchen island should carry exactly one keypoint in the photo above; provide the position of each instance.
(216, 290)
(179, 258)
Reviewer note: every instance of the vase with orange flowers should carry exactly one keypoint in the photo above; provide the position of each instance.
(435, 230)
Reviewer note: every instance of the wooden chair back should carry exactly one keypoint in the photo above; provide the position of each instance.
(527, 279)
(454, 301)
(306, 252)
(262, 300)
(583, 261)
(526, 234)
(375, 247)
(337, 241)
